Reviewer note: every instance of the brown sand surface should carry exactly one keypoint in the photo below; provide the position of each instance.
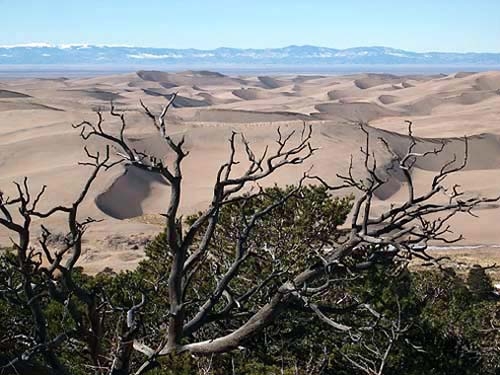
(37, 140)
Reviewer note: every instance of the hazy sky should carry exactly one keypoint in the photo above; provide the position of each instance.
(419, 25)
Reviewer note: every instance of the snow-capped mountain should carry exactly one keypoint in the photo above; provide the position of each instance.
(44, 53)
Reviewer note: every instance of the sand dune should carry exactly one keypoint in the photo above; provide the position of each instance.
(302, 79)
(239, 116)
(106, 96)
(155, 92)
(406, 84)
(271, 83)
(252, 94)
(133, 187)
(182, 102)
(356, 111)
(463, 74)
(388, 99)
(7, 94)
(36, 138)
(373, 80)
(22, 106)
(484, 150)
(487, 82)
(189, 78)
(339, 94)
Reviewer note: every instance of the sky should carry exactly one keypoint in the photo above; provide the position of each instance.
(421, 26)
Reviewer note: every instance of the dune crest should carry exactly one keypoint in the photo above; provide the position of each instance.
(36, 136)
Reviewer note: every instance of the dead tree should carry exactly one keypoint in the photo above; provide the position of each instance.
(48, 272)
(377, 344)
(403, 231)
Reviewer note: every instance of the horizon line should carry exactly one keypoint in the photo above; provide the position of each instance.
(84, 45)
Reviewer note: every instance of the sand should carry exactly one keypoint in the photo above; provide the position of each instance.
(37, 140)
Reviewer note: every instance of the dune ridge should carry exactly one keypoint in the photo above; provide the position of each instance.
(36, 137)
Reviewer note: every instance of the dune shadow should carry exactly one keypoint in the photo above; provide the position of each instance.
(123, 199)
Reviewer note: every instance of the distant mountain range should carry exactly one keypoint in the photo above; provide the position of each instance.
(41, 53)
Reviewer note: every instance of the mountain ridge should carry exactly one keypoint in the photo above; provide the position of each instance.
(73, 54)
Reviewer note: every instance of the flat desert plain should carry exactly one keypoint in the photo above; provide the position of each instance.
(38, 141)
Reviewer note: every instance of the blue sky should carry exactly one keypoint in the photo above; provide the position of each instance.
(424, 25)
